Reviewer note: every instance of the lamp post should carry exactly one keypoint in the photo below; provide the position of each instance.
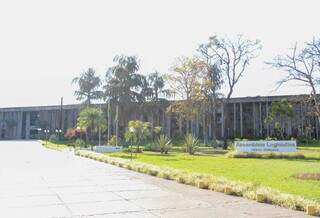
(59, 131)
(79, 129)
(46, 131)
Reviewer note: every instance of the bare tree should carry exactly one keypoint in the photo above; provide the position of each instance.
(302, 65)
(233, 57)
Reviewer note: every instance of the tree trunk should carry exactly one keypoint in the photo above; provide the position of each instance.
(109, 121)
(117, 124)
(225, 121)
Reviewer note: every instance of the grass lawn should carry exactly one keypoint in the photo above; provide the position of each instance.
(274, 173)
(55, 146)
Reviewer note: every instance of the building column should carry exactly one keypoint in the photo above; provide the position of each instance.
(234, 120)
(289, 132)
(267, 114)
(254, 118)
(204, 127)
(19, 125)
(27, 125)
(300, 121)
(241, 120)
(214, 126)
(260, 119)
(168, 124)
(222, 120)
(317, 128)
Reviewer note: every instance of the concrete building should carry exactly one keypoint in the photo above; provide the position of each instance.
(246, 119)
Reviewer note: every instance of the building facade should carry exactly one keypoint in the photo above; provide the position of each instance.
(246, 119)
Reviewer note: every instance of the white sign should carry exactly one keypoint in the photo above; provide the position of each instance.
(266, 146)
(106, 149)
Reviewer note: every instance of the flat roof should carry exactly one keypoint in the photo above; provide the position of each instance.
(232, 100)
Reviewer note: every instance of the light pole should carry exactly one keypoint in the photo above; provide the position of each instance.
(79, 129)
(59, 131)
(46, 131)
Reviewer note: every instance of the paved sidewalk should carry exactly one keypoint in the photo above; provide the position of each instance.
(37, 182)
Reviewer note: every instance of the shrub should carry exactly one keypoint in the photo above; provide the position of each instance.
(151, 147)
(163, 144)
(53, 138)
(113, 141)
(80, 143)
(157, 131)
(73, 134)
(191, 144)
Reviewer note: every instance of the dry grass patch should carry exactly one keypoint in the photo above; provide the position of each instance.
(308, 176)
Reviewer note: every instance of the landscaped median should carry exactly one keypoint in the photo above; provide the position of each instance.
(220, 184)
(54, 146)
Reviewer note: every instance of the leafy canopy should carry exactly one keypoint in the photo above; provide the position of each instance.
(88, 86)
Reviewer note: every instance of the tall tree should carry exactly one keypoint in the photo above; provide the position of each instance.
(122, 80)
(233, 57)
(123, 84)
(88, 86)
(280, 112)
(184, 82)
(158, 94)
(210, 87)
(157, 84)
(302, 65)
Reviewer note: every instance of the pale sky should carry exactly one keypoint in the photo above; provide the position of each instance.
(44, 44)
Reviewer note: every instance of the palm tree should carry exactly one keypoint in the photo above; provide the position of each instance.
(91, 119)
(88, 86)
(157, 87)
(123, 83)
(157, 84)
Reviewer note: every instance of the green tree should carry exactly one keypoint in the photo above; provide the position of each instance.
(123, 85)
(138, 132)
(88, 86)
(185, 85)
(280, 112)
(91, 119)
(158, 95)
(157, 84)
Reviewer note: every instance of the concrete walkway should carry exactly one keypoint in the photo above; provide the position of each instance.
(37, 182)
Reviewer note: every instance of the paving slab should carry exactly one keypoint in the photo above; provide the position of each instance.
(38, 182)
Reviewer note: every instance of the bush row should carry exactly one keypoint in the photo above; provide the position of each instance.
(235, 154)
(204, 181)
